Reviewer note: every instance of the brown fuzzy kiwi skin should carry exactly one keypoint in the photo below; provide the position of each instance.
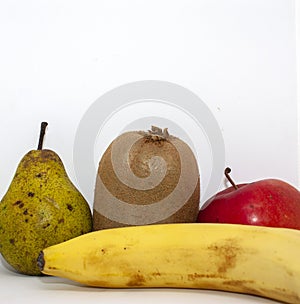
(188, 213)
(149, 145)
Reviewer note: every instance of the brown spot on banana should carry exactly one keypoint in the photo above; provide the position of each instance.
(136, 280)
(227, 251)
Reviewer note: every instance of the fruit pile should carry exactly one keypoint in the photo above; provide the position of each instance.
(245, 239)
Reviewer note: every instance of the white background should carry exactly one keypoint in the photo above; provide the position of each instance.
(239, 57)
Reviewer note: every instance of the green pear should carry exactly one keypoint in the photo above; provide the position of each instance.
(41, 208)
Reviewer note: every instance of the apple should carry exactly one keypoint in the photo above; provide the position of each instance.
(268, 202)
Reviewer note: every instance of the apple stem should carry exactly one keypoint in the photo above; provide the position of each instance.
(42, 134)
(226, 172)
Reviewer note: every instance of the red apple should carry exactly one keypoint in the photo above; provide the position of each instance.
(268, 202)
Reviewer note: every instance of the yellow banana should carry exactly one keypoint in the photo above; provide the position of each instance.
(255, 260)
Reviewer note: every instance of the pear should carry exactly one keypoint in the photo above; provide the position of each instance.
(41, 208)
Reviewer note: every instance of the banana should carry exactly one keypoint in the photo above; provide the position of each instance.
(255, 260)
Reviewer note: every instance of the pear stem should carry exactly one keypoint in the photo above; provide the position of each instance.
(226, 172)
(42, 134)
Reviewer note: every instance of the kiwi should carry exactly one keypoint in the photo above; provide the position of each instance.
(146, 178)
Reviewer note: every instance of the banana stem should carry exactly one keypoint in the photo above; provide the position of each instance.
(226, 172)
(44, 125)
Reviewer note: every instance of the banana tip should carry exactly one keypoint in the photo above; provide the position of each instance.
(41, 261)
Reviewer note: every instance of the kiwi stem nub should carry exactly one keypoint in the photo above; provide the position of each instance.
(44, 124)
(226, 172)
(162, 133)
